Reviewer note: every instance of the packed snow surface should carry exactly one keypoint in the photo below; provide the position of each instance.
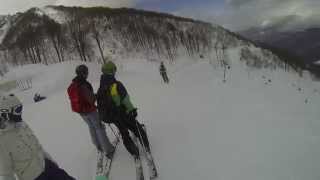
(258, 125)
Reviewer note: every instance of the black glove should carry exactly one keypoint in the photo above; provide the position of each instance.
(133, 114)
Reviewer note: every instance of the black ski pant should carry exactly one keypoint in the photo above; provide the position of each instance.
(53, 172)
(126, 124)
(165, 77)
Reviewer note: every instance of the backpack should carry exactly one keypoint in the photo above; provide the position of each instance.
(106, 107)
(74, 96)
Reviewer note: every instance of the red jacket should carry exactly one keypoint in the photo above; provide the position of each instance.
(88, 104)
(84, 100)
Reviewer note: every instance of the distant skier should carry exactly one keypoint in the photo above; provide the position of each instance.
(163, 73)
(82, 100)
(115, 107)
(37, 97)
(21, 155)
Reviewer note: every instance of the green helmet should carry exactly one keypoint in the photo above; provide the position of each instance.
(109, 68)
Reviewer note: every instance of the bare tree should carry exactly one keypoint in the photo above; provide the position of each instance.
(79, 28)
(97, 36)
(54, 32)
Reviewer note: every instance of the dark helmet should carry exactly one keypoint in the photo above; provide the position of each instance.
(82, 70)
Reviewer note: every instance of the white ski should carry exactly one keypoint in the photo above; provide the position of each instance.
(104, 163)
(153, 173)
(138, 162)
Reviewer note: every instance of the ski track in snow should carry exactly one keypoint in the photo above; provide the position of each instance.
(199, 127)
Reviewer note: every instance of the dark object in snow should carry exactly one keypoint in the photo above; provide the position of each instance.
(37, 97)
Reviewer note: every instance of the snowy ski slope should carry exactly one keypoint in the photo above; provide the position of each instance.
(259, 125)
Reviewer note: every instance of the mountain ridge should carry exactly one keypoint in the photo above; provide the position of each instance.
(57, 33)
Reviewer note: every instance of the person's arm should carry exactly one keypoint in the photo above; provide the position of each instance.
(6, 167)
(88, 94)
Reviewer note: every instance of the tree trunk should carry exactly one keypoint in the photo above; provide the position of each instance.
(100, 49)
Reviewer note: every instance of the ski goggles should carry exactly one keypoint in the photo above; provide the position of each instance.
(16, 111)
(4, 114)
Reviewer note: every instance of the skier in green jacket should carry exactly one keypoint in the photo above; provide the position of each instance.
(115, 107)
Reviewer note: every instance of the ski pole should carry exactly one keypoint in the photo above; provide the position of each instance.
(113, 131)
(141, 139)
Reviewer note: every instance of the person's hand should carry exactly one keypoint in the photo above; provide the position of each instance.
(133, 114)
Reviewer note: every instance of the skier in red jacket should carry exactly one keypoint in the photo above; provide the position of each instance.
(83, 100)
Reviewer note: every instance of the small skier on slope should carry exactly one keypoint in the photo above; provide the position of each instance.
(163, 73)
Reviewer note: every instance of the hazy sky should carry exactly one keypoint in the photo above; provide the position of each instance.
(233, 14)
